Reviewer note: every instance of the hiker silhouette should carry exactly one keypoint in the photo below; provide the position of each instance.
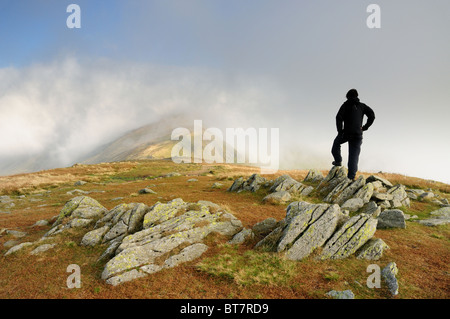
(350, 129)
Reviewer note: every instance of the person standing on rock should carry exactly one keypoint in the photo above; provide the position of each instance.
(350, 129)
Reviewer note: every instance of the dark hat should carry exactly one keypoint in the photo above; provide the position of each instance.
(352, 94)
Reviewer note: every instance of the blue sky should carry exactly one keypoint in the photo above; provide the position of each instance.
(254, 63)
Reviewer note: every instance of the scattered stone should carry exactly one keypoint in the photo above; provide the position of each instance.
(79, 191)
(172, 174)
(279, 197)
(117, 198)
(440, 216)
(217, 185)
(16, 233)
(372, 250)
(5, 212)
(147, 191)
(392, 218)
(192, 180)
(426, 196)
(79, 183)
(11, 243)
(42, 248)
(41, 223)
(242, 236)
(346, 294)
(389, 274)
(17, 248)
(5, 199)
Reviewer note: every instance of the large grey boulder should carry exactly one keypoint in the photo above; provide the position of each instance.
(391, 218)
(305, 228)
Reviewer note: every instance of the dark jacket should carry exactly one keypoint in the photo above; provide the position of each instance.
(350, 117)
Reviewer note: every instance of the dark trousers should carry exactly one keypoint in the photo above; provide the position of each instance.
(354, 148)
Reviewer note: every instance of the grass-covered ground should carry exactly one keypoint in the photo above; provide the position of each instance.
(224, 271)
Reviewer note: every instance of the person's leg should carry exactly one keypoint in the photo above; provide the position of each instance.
(354, 149)
(336, 149)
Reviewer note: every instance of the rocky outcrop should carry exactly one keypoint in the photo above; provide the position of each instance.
(280, 189)
(309, 226)
(79, 212)
(142, 240)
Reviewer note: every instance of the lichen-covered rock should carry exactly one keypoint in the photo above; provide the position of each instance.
(165, 228)
(365, 192)
(94, 237)
(350, 237)
(372, 250)
(79, 212)
(320, 227)
(306, 227)
(81, 207)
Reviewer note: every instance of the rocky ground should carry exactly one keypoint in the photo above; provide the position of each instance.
(159, 230)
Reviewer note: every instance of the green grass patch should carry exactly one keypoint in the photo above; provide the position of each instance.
(250, 268)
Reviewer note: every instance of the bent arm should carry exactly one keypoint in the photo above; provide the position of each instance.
(340, 120)
(370, 118)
